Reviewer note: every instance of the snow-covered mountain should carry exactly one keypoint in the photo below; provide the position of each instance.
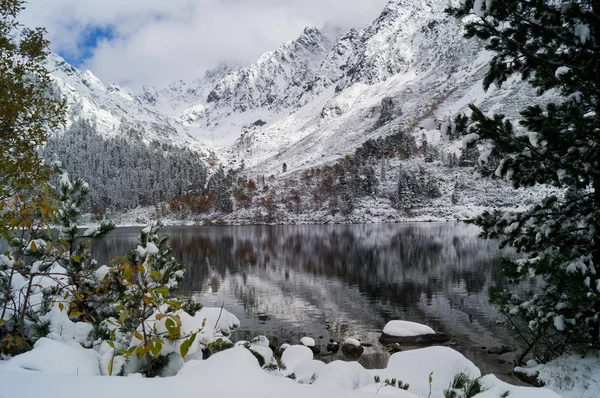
(316, 99)
(311, 100)
(114, 109)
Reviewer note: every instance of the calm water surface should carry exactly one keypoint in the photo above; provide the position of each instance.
(339, 281)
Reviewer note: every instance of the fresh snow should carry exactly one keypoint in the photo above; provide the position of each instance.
(52, 357)
(294, 355)
(63, 370)
(308, 341)
(343, 376)
(571, 376)
(351, 341)
(414, 367)
(562, 70)
(406, 329)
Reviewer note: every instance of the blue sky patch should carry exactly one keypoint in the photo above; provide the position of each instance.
(87, 43)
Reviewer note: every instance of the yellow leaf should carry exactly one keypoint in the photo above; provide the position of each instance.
(156, 274)
(75, 258)
(123, 316)
(141, 268)
(160, 316)
(110, 366)
(139, 352)
(127, 273)
(138, 335)
(33, 247)
(61, 307)
(176, 318)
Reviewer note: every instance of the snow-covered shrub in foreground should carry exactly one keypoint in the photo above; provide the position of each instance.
(51, 287)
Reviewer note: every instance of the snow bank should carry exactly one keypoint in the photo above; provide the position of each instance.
(217, 318)
(406, 329)
(569, 375)
(495, 388)
(388, 391)
(231, 373)
(414, 366)
(344, 376)
(54, 357)
(308, 341)
(307, 371)
(293, 355)
(64, 370)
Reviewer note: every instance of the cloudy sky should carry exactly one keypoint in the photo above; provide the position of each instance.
(154, 42)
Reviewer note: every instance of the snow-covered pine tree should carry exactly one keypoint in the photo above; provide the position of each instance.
(554, 45)
(48, 268)
(149, 321)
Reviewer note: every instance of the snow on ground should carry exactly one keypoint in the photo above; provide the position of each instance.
(414, 367)
(570, 375)
(497, 388)
(59, 370)
(343, 376)
(217, 318)
(49, 356)
(406, 329)
(294, 355)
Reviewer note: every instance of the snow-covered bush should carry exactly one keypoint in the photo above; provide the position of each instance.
(51, 286)
(148, 323)
(47, 268)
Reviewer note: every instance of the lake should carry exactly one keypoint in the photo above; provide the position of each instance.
(339, 281)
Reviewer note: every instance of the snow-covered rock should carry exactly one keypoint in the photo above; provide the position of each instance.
(414, 367)
(218, 319)
(406, 329)
(307, 371)
(293, 355)
(344, 376)
(307, 341)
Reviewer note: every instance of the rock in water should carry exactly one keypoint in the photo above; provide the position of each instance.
(310, 343)
(422, 340)
(410, 333)
(352, 349)
(333, 346)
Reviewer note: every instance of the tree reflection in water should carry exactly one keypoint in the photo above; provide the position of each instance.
(340, 280)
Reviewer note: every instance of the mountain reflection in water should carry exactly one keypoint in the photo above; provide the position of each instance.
(338, 281)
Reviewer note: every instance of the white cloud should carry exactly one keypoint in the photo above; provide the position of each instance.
(158, 41)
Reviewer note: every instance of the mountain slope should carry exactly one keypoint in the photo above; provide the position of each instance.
(322, 97)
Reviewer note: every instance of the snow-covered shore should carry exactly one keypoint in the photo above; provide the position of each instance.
(236, 372)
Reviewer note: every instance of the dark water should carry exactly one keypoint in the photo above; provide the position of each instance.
(342, 281)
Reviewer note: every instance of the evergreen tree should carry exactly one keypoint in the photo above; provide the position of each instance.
(554, 46)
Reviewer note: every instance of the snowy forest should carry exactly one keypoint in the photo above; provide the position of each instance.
(123, 171)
